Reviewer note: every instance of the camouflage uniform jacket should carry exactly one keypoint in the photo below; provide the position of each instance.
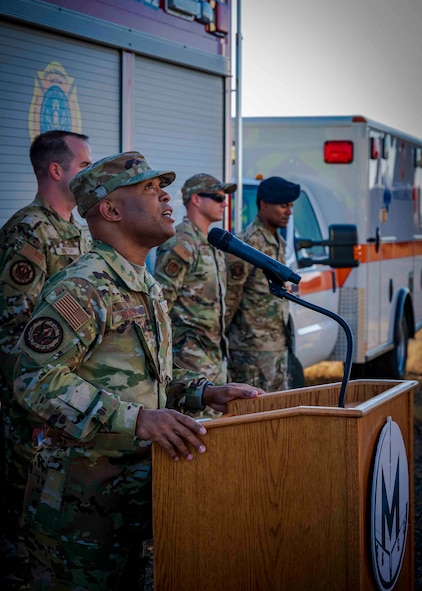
(192, 274)
(97, 349)
(34, 244)
(254, 316)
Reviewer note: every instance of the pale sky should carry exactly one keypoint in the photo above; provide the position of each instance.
(333, 57)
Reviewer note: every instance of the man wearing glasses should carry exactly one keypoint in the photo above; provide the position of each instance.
(192, 274)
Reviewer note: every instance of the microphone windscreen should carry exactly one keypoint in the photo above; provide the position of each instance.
(219, 238)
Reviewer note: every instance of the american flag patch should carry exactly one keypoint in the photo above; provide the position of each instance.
(71, 311)
(182, 252)
(32, 253)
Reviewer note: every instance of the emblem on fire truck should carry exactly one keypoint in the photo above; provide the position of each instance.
(54, 103)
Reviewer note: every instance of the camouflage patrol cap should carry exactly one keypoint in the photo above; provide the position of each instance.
(120, 170)
(205, 183)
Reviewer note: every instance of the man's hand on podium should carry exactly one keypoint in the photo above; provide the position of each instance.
(218, 396)
(175, 431)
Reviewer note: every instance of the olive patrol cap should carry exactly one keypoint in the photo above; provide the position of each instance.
(100, 179)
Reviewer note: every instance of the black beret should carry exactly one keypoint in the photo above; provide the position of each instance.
(277, 190)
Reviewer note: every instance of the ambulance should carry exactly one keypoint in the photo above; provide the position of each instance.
(358, 178)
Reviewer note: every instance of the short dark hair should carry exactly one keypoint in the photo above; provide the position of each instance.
(51, 147)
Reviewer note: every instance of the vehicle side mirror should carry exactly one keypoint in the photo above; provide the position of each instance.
(342, 243)
(343, 240)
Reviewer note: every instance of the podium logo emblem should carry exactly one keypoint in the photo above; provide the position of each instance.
(389, 506)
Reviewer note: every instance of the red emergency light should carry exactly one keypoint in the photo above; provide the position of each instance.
(338, 152)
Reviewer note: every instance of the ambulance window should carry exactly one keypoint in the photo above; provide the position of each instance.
(306, 226)
(249, 206)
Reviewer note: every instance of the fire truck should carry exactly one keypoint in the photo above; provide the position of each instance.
(146, 75)
(356, 174)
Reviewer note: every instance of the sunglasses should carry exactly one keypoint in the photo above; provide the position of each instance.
(214, 197)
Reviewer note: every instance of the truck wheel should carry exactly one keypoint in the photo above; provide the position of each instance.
(295, 370)
(393, 363)
(390, 365)
(399, 353)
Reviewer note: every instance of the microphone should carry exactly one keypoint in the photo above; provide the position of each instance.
(273, 269)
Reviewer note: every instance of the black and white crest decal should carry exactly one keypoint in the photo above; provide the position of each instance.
(389, 506)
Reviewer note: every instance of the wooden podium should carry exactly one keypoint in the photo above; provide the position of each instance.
(281, 500)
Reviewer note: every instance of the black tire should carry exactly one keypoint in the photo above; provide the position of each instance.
(295, 370)
(393, 363)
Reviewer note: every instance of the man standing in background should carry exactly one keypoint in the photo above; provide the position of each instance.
(192, 274)
(36, 242)
(255, 318)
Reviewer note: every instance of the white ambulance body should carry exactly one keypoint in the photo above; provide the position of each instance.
(351, 171)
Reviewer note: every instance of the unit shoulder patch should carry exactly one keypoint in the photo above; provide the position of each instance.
(22, 272)
(172, 267)
(237, 270)
(43, 334)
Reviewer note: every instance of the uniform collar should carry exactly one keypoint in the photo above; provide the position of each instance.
(128, 273)
(200, 234)
(269, 237)
(40, 200)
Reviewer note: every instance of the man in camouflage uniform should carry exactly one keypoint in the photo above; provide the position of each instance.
(255, 317)
(192, 274)
(37, 241)
(96, 366)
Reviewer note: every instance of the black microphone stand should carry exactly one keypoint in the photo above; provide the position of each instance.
(277, 288)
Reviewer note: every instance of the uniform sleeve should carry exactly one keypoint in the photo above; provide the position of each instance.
(59, 336)
(173, 263)
(22, 277)
(185, 391)
(238, 272)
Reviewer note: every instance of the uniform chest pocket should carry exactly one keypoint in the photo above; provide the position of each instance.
(137, 316)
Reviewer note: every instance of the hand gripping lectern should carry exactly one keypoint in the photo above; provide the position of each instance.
(293, 494)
